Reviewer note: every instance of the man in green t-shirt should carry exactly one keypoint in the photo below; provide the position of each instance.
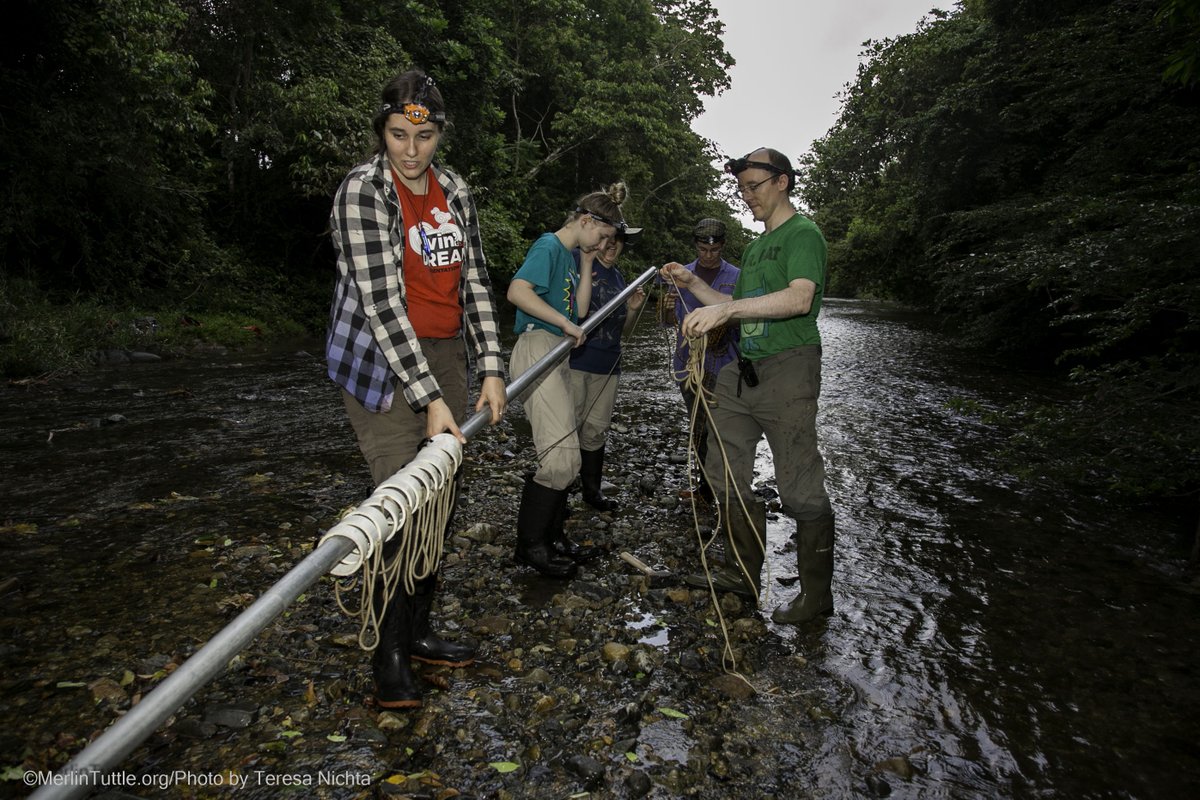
(772, 390)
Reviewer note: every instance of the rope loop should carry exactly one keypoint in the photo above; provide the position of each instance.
(409, 513)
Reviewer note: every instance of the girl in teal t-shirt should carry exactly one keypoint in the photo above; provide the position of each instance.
(548, 292)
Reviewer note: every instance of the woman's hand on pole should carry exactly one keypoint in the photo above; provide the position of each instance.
(440, 419)
(573, 331)
(492, 394)
(636, 299)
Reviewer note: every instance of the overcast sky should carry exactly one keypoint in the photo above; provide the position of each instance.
(793, 57)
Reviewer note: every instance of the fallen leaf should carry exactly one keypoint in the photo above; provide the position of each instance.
(503, 767)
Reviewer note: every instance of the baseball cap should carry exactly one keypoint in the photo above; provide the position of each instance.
(709, 231)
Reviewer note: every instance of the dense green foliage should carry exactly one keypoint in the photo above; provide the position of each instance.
(1024, 169)
(183, 153)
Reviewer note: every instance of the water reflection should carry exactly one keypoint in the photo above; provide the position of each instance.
(974, 624)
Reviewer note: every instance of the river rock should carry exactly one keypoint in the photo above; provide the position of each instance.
(107, 690)
(733, 686)
(638, 784)
(195, 728)
(230, 716)
(589, 770)
(897, 765)
(614, 652)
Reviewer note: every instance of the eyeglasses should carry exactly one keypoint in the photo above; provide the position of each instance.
(750, 188)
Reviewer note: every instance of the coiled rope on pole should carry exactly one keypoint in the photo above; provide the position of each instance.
(412, 507)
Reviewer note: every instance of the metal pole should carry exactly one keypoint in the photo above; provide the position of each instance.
(81, 774)
(557, 353)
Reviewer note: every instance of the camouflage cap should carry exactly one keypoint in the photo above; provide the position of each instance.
(709, 231)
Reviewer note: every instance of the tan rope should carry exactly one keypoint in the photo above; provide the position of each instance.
(693, 378)
(414, 507)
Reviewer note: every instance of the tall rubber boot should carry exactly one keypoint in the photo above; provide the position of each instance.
(741, 542)
(590, 472)
(395, 687)
(539, 507)
(814, 557)
(427, 646)
(557, 541)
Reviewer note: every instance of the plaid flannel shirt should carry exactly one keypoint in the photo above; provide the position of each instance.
(371, 345)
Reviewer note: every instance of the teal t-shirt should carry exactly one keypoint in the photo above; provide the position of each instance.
(552, 272)
(796, 249)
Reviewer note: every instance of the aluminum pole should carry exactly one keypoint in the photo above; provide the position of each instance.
(557, 353)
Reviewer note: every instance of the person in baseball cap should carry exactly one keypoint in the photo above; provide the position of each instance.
(721, 348)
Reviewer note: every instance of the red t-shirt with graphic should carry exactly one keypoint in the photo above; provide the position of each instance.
(433, 255)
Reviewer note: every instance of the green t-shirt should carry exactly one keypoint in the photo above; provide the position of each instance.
(796, 249)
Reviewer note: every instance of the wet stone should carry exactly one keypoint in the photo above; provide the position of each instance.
(615, 652)
(195, 728)
(733, 687)
(589, 770)
(230, 716)
(897, 765)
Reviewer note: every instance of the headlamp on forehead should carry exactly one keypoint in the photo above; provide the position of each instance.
(598, 217)
(416, 113)
(736, 166)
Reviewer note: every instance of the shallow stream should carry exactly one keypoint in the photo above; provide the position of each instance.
(992, 637)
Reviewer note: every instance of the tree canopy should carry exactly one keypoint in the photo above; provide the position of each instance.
(163, 150)
(1031, 171)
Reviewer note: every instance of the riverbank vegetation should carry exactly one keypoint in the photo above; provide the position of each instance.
(178, 158)
(1031, 171)
(1028, 169)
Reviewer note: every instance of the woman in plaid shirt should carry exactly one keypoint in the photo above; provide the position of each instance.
(412, 289)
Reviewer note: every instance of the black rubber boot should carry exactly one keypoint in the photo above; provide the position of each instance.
(590, 473)
(540, 506)
(814, 557)
(395, 687)
(557, 539)
(427, 646)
